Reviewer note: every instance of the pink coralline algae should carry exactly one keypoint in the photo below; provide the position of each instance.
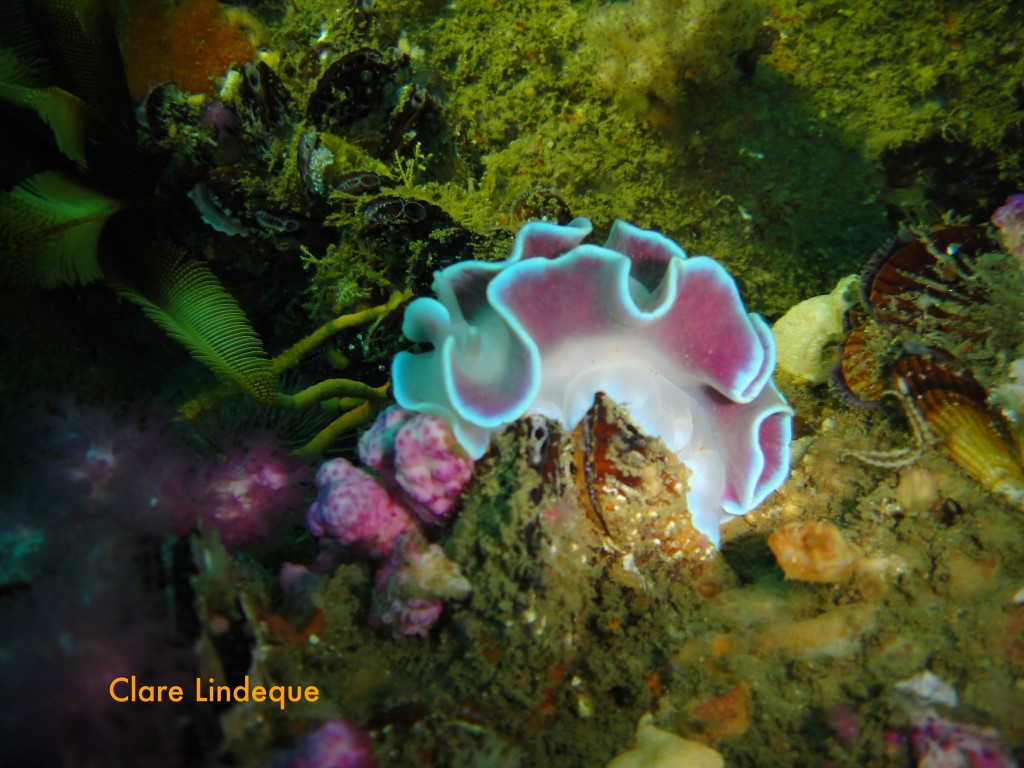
(413, 584)
(377, 444)
(1009, 220)
(247, 488)
(419, 454)
(941, 743)
(421, 468)
(126, 464)
(356, 510)
(560, 320)
(336, 744)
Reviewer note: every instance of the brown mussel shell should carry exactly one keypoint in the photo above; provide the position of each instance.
(350, 88)
(265, 95)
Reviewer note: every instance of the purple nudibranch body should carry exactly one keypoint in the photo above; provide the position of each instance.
(560, 320)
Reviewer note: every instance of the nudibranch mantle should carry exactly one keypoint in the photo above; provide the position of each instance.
(665, 335)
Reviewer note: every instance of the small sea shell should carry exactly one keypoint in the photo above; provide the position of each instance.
(859, 377)
(924, 282)
(928, 689)
(413, 100)
(350, 88)
(806, 336)
(329, 163)
(215, 213)
(655, 748)
(813, 550)
(265, 96)
(954, 409)
(539, 204)
(315, 161)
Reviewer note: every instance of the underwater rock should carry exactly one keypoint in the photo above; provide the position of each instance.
(724, 715)
(653, 50)
(919, 489)
(804, 335)
(557, 322)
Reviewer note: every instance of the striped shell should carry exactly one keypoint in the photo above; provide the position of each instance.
(968, 432)
(924, 287)
(924, 282)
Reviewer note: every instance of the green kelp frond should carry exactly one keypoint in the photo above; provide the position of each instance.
(184, 298)
(49, 228)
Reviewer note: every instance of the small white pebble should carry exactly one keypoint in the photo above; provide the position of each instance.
(926, 688)
(1018, 598)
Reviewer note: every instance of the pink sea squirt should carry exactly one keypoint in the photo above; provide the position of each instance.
(941, 743)
(413, 584)
(413, 465)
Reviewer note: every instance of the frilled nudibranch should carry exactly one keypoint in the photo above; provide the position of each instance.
(558, 321)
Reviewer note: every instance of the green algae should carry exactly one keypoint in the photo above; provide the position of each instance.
(782, 174)
(790, 172)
